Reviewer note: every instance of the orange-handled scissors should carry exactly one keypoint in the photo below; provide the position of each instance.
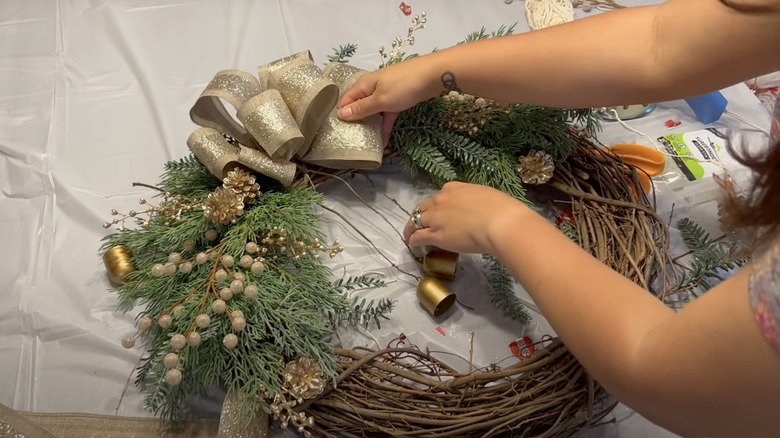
(649, 161)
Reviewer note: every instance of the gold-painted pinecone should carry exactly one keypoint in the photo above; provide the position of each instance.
(303, 377)
(536, 168)
(243, 183)
(223, 206)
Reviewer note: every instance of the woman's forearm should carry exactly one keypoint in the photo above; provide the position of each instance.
(633, 55)
(602, 316)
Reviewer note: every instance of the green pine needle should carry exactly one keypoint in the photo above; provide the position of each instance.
(504, 178)
(570, 231)
(711, 258)
(502, 293)
(188, 176)
(465, 151)
(360, 312)
(483, 34)
(343, 53)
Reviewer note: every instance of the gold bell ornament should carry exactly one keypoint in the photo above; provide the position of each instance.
(118, 264)
(435, 296)
(440, 264)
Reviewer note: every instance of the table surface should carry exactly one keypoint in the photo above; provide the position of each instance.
(95, 95)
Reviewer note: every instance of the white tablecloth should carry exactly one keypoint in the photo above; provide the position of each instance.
(95, 95)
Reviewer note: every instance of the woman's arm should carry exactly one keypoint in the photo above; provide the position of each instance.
(705, 371)
(681, 48)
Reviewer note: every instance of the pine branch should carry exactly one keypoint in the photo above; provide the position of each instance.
(482, 34)
(188, 176)
(695, 237)
(363, 313)
(502, 294)
(360, 312)
(464, 151)
(428, 158)
(284, 321)
(504, 177)
(291, 210)
(529, 127)
(570, 231)
(344, 285)
(586, 118)
(711, 259)
(159, 240)
(343, 53)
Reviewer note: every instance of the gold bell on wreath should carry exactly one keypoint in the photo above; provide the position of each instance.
(440, 263)
(435, 296)
(118, 264)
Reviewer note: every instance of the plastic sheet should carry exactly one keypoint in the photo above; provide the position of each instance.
(95, 95)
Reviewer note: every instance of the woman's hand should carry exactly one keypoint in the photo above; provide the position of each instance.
(466, 218)
(389, 91)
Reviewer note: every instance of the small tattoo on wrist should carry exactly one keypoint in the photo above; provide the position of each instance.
(449, 82)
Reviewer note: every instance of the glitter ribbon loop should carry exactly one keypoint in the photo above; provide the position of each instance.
(220, 157)
(309, 94)
(234, 86)
(290, 111)
(267, 117)
(347, 145)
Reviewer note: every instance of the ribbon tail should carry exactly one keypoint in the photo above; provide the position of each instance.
(257, 160)
(220, 157)
(211, 148)
(232, 426)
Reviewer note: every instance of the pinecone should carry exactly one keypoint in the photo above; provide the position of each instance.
(243, 183)
(223, 206)
(536, 168)
(304, 378)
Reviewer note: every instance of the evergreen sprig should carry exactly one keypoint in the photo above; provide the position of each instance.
(465, 151)
(363, 313)
(294, 311)
(489, 156)
(483, 34)
(502, 293)
(529, 127)
(426, 157)
(188, 176)
(291, 210)
(349, 284)
(504, 177)
(343, 53)
(570, 231)
(446, 156)
(360, 312)
(711, 258)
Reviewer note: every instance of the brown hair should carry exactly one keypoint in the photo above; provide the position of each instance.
(761, 209)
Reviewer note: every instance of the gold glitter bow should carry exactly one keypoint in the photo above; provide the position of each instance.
(289, 112)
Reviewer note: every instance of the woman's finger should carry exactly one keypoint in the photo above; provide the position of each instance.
(362, 89)
(422, 237)
(410, 226)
